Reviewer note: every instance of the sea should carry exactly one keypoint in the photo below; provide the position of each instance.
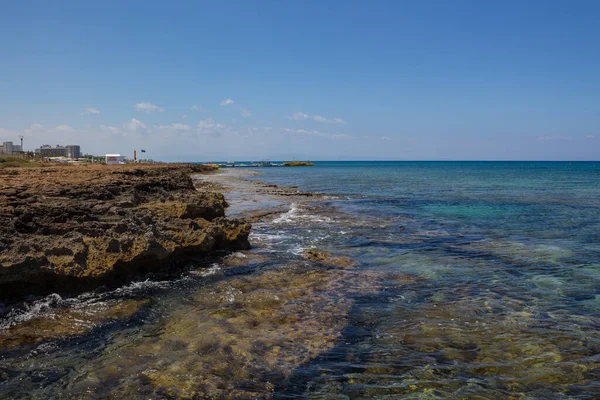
(459, 280)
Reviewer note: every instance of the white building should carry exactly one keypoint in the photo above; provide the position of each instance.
(112, 159)
(72, 151)
(10, 148)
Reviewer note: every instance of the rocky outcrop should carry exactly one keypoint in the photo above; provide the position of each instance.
(75, 227)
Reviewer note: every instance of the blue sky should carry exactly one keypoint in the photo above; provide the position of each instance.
(321, 80)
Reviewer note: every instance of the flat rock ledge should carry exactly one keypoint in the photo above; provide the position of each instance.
(72, 228)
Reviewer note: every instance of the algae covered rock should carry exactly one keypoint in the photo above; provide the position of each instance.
(327, 259)
(239, 339)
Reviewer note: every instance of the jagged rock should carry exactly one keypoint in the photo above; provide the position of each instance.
(78, 227)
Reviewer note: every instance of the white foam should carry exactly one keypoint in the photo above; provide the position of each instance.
(298, 250)
(212, 270)
(31, 310)
(288, 216)
(142, 285)
(267, 237)
(295, 214)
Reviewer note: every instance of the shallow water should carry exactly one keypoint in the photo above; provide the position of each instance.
(473, 280)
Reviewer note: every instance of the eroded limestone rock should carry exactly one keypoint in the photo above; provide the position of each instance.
(66, 229)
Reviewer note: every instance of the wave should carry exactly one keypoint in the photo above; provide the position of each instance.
(296, 213)
(29, 311)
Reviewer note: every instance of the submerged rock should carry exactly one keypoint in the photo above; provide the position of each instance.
(69, 229)
(240, 338)
(67, 322)
(329, 260)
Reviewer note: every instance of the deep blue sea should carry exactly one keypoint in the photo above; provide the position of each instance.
(466, 280)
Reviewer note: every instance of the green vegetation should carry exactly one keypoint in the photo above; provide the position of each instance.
(7, 161)
(298, 164)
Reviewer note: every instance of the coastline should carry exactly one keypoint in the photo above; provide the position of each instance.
(336, 295)
(72, 229)
(290, 310)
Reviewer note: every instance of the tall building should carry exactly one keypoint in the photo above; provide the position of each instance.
(73, 151)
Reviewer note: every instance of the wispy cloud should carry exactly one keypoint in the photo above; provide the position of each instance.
(63, 128)
(148, 107)
(226, 102)
(209, 126)
(552, 138)
(319, 118)
(590, 137)
(317, 133)
(175, 127)
(91, 111)
(135, 126)
(35, 128)
(110, 129)
(300, 116)
(244, 112)
(197, 108)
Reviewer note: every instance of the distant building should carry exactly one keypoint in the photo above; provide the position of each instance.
(10, 148)
(71, 151)
(48, 151)
(112, 159)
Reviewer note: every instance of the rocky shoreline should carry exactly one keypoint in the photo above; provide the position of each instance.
(71, 229)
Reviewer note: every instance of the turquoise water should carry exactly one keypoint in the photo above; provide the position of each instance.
(507, 261)
(471, 280)
(533, 200)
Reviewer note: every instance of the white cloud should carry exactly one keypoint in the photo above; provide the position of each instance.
(63, 128)
(176, 127)
(35, 128)
(209, 126)
(134, 126)
(111, 129)
(299, 116)
(197, 108)
(386, 138)
(184, 116)
(226, 102)
(319, 118)
(590, 137)
(90, 111)
(318, 133)
(244, 112)
(148, 107)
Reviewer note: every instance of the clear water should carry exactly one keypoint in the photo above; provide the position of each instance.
(472, 280)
